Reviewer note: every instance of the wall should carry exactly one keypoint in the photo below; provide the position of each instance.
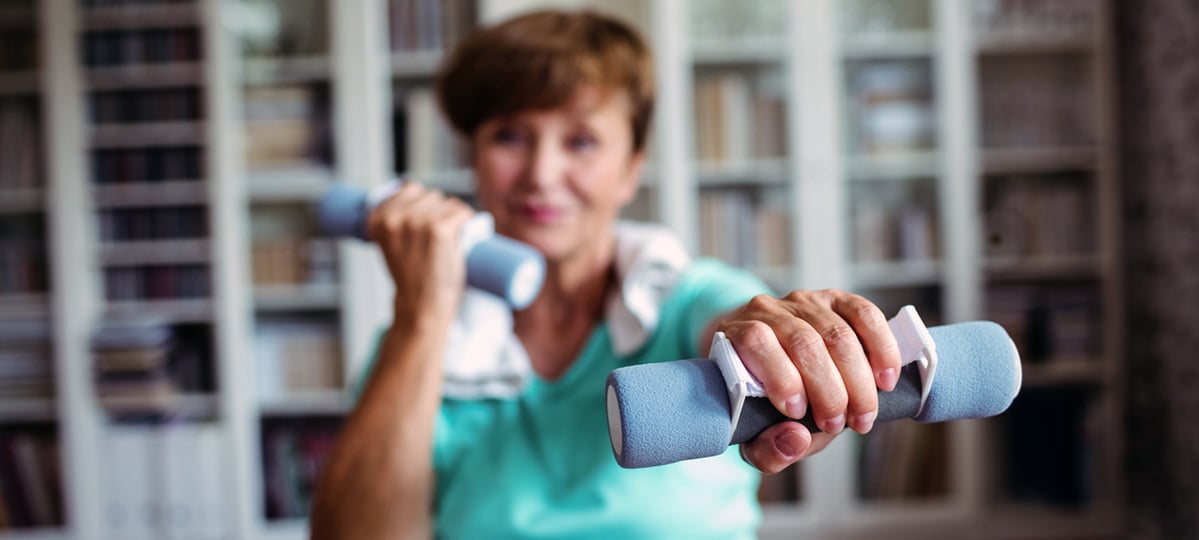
(1158, 71)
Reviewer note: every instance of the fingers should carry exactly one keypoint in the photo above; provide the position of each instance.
(418, 230)
(758, 346)
(848, 395)
(778, 447)
(416, 215)
(876, 337)
(824, 351)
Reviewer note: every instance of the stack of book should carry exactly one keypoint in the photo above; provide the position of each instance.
(149, 164)
(430, 24)
(283, 126)
(141, 46)
(26, 367)
(30, 479)
(19, 147)
(903, 460)
(297, 356)
(131, 363)
(1051, 322)
(738, 118)
(22, 254)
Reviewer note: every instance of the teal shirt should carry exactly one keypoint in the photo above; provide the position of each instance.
(540, 465)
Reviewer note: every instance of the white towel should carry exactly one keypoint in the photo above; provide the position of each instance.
(484, 358)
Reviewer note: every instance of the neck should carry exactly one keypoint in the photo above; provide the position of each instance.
(557, 324)
(578, 285)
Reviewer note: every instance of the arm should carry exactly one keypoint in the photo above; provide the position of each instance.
(828, 350)
(379, 480)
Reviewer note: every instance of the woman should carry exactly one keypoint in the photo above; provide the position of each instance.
(556, 108)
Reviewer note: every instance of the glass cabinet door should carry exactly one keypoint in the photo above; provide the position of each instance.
(893, 219)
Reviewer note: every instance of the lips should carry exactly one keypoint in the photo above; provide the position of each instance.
(540, 214)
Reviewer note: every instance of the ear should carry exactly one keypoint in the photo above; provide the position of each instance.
(632, 179)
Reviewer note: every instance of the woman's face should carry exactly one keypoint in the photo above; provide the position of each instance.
(557, 179)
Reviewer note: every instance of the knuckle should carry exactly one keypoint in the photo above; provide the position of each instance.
(796, 296)
(804, 344)
(752, 336)
(867, 312)
(888, 352)
(392, 224)
(840, 338)
(833, 403)
(761, 302)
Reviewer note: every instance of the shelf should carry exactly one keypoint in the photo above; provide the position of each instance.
(312, 296)
(1037, 521)
(761, 172)
(192, 405)
(451, 181)
(138, 252)
(285, 71)
(41, 533)
(1043, 267)
(24, 306)
(997, 44)
(180, 310)
(888, 275)
(149, 194)
(1036, 160)
(22, 201)
(141, 16)
(314, 403)
(415, 64)
(302, 182)
(285, 529)
(165, 75)
(888, 45)
(894, 166)
(735, 54)
(28, 410)
(148, 134)
(1063, 371)
(19, 82)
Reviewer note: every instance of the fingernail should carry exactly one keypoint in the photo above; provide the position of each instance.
(796, 406)
(887, 379)
(787, 443)
(834, 425)
(863, 422)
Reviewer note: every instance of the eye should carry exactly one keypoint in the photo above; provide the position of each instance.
(580, 142)
(507, 135)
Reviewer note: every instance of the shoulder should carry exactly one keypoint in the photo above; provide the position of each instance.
(706, 291)
(712, 281)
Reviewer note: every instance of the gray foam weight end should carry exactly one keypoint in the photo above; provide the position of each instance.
(506, 268)
(342, 211)
(664, 423)
(979, 375)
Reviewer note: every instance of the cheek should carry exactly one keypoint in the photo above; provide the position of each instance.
(609, 185)
(495, 171)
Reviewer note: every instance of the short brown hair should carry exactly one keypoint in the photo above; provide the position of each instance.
(538, 61)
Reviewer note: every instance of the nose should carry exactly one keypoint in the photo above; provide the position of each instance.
(547, 164)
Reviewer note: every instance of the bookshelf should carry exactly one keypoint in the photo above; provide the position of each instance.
(168, 154)
(31, 484)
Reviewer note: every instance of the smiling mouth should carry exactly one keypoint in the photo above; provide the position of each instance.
(540, 214)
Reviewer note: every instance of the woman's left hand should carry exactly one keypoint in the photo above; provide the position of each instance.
(828, 351)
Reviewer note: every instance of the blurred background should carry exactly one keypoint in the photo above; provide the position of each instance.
(178, 342)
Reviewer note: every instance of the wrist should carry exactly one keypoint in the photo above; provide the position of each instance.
(412, 320)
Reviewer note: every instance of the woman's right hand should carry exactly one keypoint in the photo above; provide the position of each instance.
(418, 230)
